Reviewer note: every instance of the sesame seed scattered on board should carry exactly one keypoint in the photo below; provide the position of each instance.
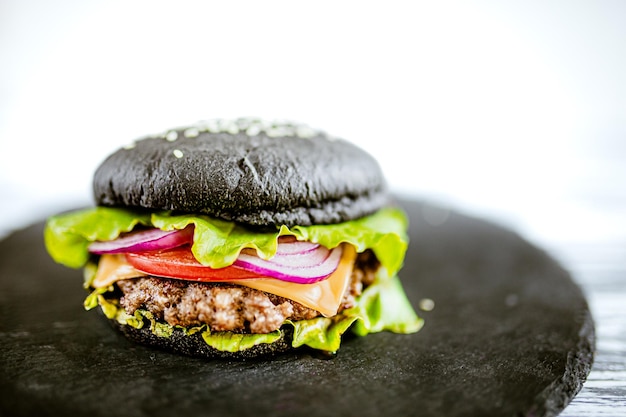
(426, 304)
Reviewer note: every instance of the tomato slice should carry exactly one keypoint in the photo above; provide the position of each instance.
(180, 263)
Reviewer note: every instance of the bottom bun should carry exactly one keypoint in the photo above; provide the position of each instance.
(194, 345)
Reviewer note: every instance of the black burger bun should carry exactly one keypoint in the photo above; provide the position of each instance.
(247, 171)
(194, 345)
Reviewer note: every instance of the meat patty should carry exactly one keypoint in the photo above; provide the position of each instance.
(227, 307)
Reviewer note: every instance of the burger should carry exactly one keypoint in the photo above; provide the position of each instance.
(240, 238)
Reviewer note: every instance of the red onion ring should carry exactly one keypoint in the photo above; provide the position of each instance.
(288, 245)
(303, 268)
(295, 261)
(145, 240)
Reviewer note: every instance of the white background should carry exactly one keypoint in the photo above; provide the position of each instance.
(513, 111)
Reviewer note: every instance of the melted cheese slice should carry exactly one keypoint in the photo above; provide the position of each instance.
(112, 268)
(323, 296)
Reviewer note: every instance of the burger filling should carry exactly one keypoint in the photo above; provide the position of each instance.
(227, 307)
(237, 287)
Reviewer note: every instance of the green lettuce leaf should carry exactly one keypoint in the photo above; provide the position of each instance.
(235, 342)
(217, 243)
(67, 236)
(383, 306)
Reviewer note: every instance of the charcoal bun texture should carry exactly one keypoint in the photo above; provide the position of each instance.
(246, 170)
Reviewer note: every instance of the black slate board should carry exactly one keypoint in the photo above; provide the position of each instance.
(510, 334)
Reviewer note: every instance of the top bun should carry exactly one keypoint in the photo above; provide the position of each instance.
(248, 171)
